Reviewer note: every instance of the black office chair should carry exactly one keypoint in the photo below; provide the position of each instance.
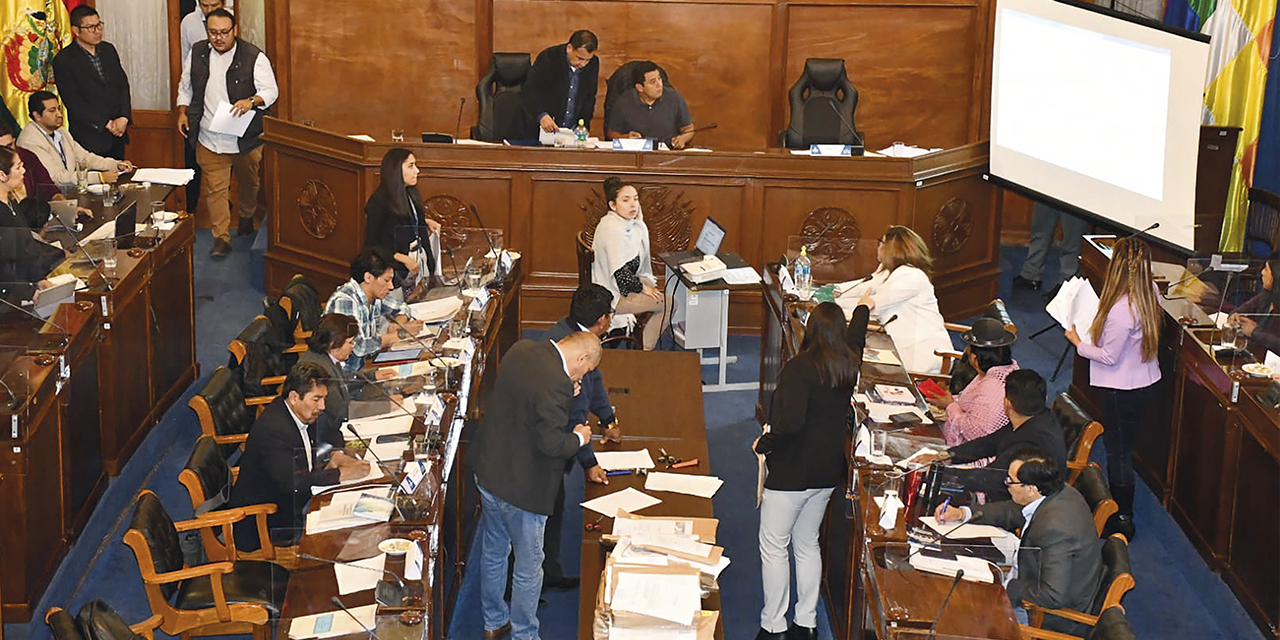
(822, 90)
(1262, 228)
(619, 83)
(97, 621)
(502, 116)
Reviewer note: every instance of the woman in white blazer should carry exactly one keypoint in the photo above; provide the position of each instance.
(901, 287)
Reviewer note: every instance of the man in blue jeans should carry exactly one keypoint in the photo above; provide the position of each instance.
(519, 454)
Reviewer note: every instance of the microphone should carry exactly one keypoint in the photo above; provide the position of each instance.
(847, 124)
(498, 274)
(713, 125)
(1223, 296)
(409, 334)
(367, 630)
(66, 335)
(954, 583)
(1153, 225)
(886, 322)
(457, 129)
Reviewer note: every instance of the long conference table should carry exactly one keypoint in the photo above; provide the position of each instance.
(74, 417)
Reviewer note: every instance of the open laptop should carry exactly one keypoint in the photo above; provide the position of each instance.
(127, 226)
(707, 245)
(65, 211)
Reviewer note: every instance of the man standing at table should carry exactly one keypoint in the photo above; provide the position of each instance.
(366, 297)
(561, 88)
(591, 310)
(226, 72)
(57, 150)
(520, 450)
(652, 110)
(94, 86)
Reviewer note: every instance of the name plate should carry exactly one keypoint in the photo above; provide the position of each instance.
(632, 144)
(831, 150)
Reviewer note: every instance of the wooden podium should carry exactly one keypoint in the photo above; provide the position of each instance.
(318, 183)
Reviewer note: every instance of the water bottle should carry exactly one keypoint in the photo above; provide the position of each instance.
(804, 275)
(580, 133)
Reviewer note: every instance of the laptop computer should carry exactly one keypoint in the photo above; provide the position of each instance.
(65, 211)
(707, 244)
(127, 226)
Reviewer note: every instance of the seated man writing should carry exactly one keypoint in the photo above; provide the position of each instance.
(651, 110)
(1059, 559)
(365, 298)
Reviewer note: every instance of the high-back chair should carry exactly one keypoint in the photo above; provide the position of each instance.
(1112, 625)
(1116, 581)
(261, 357)
(1093, 487)
(618, 84)
(502, 116)
(822, 100)
(97, 621)
(1079, 433)
(224, 413)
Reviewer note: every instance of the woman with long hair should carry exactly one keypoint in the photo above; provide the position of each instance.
(900, 289)
(805, 453)
(1122, 349)
(622, 263)
(23, 257)
(396, 222)
(1254, 317)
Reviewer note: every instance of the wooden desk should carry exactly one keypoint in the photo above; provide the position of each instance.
(542, 197)
(50, 456)
(639, 383)
(1210, 451)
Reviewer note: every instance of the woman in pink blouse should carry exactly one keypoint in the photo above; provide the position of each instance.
(979, 409)
(1121, 347)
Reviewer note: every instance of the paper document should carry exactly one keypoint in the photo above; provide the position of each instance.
(905, 151)
(1075, 306)
(965, 531)
(372, 428)
(675, 598)
(1272, 360)
(334, 623)
(1220, 319)
(225, 122)
(615, 460)
(741, 275)
(174, 177)
(361, 575)
(385, 450)
(645, 526)
(436, 310)
(629, 500)
(701, 486)
(375, 472)
(880, 356)
(975, 569)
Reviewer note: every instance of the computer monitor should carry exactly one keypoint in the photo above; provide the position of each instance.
(709, 238)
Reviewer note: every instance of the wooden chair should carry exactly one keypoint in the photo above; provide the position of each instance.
(97, 621)
(1093, 486)
(223, 411)
(1116, 581)
(618, 337)
(261, 356)
(301, 304)
(1079, 432)
(220, 598)
(1112, 625)
(208, 479)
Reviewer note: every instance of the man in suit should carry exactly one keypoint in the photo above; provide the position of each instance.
(519, 454)
(1059, 559)
(94, 86)
(561, 88)
(287, 454)
(58, 151)
(591, 310)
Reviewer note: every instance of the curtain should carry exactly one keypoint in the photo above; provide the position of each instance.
(139, 29)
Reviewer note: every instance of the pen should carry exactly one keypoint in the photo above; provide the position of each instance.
(619, 472)
(945, 503)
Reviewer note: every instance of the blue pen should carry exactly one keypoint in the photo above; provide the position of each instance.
(945, 503)
(619, 472)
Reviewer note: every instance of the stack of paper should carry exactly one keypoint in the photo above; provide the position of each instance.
(975, 569)
(334, 623)
(671, 597)
(340, 513)
(174, 177)
(615, 460)
(360, 575)
(375, 472)
(694, 485)
(629, 500)
(1075, 306)
(436, 310)
(379, 426)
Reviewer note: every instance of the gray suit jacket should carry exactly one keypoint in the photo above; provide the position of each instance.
(1066, 571)
(521, 445)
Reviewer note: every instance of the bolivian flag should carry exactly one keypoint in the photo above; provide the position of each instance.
(31, 33)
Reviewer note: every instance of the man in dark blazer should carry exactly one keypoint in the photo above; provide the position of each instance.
(287, 454)
(1059, 559)
(518, 454)
(94, 87)
(561, 88)
(591, 310)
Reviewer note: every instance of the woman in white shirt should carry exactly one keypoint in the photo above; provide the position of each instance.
(901, 287)
(622, 264)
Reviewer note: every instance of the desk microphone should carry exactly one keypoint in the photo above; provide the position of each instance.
(1193, 276)
(713, 125)
(96, 267)
(954, 583)
(434, 356)
(1223, 298)
(457, 129)
(498, 272)
(1153, 225)
(367, 630)
(66, 335)
(846, 123)
(457, 275)
(886, 322)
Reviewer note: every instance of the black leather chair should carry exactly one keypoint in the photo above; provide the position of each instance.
(208, 479)
(1112, 625)
(301, 305)
(1262, 228)
(619, 83)
(502, 116)
(1093, 487)
(222, 410)
(1079, 433)
(1117, 580)
(220, 598)
(97, 621)
(262, 355)
(822, 85)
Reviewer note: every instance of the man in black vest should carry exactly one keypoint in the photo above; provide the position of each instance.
(94, 87)
(561, 89)
(228, 74)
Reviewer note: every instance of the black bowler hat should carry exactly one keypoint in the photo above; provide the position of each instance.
(988, 332)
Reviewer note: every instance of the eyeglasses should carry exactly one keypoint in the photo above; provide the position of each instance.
(1010, 482)
(90, 27)
(220, 33)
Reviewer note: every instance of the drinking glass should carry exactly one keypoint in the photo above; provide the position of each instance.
(473, 277)
(82, 178)
(397, 135)
(109, 256)
(1228, 338)
(157, 211)
(879, 442)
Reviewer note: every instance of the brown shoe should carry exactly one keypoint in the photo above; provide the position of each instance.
(221, 248)
(500, 632)
(246, 227)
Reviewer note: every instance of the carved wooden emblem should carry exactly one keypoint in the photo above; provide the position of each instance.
(317, 209)
(837, 234)
(452, 214)
(952, 226)
(667, 214)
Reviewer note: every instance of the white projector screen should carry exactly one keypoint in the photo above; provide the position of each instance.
(1100, 113)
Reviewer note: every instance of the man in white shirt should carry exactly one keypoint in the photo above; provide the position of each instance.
(59, 153)
(193, 31)
(228, 73)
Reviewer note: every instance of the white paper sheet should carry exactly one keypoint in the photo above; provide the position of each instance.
(372, 428)
(629, 500)
(436, 310)
(173, 177)
(646, 526)
(375, 472)
(1075, 305)
(666, 597)
(224, 121)
(339, 623)
(615, 460)
(385, 451)
(694, 485)
(741, 275)
(965, 532)
(364, 575)
(975, 569)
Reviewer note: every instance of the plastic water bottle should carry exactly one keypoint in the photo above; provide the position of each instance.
(580, 133)
(804, 275)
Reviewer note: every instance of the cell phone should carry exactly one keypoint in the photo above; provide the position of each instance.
(396, 437)
(904, 418)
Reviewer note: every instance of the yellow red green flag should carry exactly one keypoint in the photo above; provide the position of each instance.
(31, 33)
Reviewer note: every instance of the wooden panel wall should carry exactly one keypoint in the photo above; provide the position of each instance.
(921, 66)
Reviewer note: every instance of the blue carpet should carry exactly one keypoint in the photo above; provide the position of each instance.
(1177, 596)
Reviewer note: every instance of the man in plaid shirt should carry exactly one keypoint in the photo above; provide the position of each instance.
(364, 297)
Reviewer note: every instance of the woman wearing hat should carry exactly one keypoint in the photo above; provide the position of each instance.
(1122, 362)
(979, 409)
(901, 297)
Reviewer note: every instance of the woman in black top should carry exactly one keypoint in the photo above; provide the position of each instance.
(23, 258)
(395, 220)
(805, 453)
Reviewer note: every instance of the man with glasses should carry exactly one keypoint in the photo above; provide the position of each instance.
(58, 151)
(94, 86)
(225, 72)
(1059, 559)
(561, 88)
(192, 31)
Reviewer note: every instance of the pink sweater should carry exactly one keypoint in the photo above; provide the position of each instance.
(979, 409)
